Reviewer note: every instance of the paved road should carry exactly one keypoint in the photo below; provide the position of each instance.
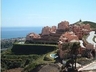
(90, 37)
(91, 66)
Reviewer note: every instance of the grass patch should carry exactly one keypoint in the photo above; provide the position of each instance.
(39, 61)
(7, 52)
(48, 58)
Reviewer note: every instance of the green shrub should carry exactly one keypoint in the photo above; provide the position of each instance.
(15, 61)
(92, 24)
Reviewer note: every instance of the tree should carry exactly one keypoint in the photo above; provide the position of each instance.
(80, 20)
(65, 46)
(74, 51)
(74, 47)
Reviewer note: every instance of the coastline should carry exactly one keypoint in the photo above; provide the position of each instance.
(16, 32)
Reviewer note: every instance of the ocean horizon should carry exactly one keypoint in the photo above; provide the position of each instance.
(15, 32)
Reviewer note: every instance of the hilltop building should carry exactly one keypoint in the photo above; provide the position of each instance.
(47, 30)
(66, 37)
(32, 36)
(63, 25)
(53, 33)
(62, 33)
(80, 30)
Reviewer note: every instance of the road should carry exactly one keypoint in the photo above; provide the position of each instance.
(90, 67)
(90, 37)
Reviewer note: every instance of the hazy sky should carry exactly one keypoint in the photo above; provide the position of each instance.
(46, 12)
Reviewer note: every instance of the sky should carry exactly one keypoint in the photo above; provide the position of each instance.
(33, 13)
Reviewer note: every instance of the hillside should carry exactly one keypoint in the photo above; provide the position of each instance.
(92, 24)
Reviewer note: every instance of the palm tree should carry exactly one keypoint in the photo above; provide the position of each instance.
(74, 46)
(74, 51)
(65, 46)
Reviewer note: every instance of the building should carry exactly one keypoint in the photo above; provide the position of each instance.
(81, 30)
(46, 30)
(63, 25)
(32, 36)
(65, 38)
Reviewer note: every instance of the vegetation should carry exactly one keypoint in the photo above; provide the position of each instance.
(48, 58)
(27, 49)
(92, 24)
(70, 49)
(6, 43)
(52, 42)
(6, 52)
(74, 48)
(10, 60)
(94, 39)
(15, 61)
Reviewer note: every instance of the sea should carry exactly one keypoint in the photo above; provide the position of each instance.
(15, 32)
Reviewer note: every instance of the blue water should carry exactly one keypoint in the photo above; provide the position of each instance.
(53, 55)
(14, 32)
